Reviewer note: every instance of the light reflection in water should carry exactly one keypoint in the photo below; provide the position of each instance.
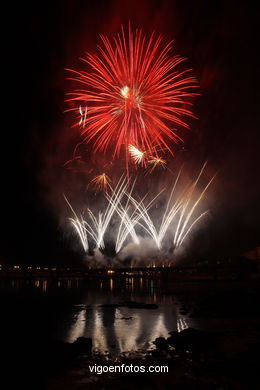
(127, 331)
(181, 323)
(151, 287)
(119, 329)
(128, 283)
(154, 296)
(159, 329)
(99, 334)
(77, 328)
(111, 284)
(44, 285)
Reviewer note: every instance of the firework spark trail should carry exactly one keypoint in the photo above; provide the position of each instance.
(127, 223)
(180, 207)
(167, 218)
(99, 223)
(181, 236)
(156, 161)
(191, 226)
(103, 221)
(138, 156)
(79, 226)
(101, 182)
(82, 227)
(130, 221)
(183, 209)
(96, 232)
(134, 93)
(143, 214)
(83, 116)
(186, 202)
(71, 160)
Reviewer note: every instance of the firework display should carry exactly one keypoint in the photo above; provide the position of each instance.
(179, 216)
(101, 182)
(129, 104)
(132, 93)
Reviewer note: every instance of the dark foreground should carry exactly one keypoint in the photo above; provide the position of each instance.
(195, 360)
(220, 358)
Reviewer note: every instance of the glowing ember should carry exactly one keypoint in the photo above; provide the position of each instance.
(136, 154)
(101, 182)
(125, 92)
(155, 162)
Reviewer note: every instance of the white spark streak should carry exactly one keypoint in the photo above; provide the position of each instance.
(83, 116)
(133, 213)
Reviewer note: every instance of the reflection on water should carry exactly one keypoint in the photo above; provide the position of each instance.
(44, 309)
(127, 331)
(111, 284)
(121, 329)
(77, 329)
(98, 334)
(95, 311)
(44, 285)
(181, 323)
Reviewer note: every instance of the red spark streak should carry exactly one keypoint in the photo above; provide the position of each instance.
(133, 93)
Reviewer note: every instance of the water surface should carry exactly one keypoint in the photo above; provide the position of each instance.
(67, 309)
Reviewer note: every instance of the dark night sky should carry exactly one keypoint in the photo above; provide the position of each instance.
(221, 41)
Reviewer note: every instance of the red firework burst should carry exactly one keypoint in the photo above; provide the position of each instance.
(133, 94)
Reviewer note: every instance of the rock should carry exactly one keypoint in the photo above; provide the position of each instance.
(82, 346)
(161, 343)
(191, 339)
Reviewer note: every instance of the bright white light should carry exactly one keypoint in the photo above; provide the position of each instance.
(125, 91)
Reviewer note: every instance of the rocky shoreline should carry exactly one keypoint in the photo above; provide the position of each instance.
(195, 360)
(223, 359)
